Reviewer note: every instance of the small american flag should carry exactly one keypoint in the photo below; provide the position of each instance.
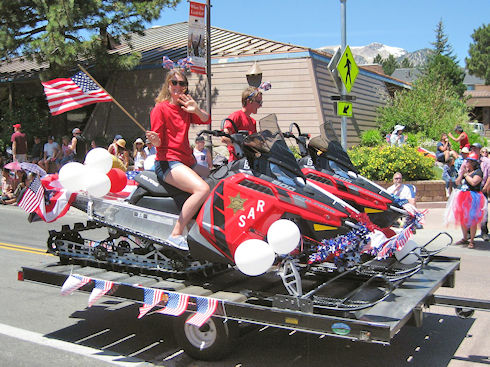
(151, 298)
(100, 289)
(66, 94)
(72, 283)
(206, 307)
(395, 243)
(176, 305)
(33, 196)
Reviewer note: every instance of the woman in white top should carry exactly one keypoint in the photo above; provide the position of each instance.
(139, 154)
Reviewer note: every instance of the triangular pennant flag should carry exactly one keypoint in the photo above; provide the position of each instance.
(72, 283)
(206, 307)
(151, 298)
(101, 288)
(176, 304)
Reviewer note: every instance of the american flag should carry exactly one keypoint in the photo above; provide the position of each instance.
(176, 305)
(395, 243)
(72, 283)
(66, 94)
(100, 289)
(58, 205)
(33, 196)
(151, 298)
(206, 307)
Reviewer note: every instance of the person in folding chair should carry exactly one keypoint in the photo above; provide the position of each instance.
(403, 191)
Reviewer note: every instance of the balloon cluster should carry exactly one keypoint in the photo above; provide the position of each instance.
(254, 257)
(96, 176)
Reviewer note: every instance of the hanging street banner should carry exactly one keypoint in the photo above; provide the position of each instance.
(344, 108)
(196, 43)
(347, 69)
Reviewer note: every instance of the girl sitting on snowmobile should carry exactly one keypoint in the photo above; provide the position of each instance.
(171, 117)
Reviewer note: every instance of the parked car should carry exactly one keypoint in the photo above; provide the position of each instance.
(477, 127)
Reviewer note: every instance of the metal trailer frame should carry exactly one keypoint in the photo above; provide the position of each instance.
(376, 324)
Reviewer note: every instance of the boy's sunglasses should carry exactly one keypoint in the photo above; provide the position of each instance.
(179, 82)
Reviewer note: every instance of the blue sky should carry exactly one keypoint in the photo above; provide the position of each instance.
(408, 24)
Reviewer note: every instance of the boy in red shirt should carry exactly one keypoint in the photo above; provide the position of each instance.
(251, 102)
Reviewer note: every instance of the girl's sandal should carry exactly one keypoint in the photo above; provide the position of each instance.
(471, 245)
(462, 241)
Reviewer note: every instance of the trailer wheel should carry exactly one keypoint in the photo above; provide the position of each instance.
(210, 342)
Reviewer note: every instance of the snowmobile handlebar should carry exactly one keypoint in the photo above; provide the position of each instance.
(300, 138)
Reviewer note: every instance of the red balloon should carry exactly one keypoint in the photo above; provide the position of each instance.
(118, 179)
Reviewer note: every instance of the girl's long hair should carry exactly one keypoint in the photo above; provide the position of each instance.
(164, 94)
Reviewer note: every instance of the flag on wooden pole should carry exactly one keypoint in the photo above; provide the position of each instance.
(66, 94)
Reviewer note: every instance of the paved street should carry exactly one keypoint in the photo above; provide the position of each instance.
(39, 327)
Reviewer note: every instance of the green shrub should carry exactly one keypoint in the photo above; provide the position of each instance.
(371, 138)
(381, 162)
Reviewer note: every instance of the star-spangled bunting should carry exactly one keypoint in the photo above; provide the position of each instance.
(33, 196)
(151, 298)
(176, 304)
(101, 288)
(66, 94)
(395, 243)
(185, 63)
(206, 307)
(72, 283)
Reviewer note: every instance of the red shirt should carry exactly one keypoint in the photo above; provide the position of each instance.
(464, 142)
(242, 122)
(20, 142)
(172, 124)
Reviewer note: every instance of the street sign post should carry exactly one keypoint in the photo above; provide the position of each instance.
(344, 108)
(347, 69)
(332, 68)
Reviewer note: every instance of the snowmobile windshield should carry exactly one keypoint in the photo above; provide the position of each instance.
(272, 153)
(329, 146)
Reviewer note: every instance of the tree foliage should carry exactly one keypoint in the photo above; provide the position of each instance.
(63, 32)
(389, 65)
(478, 63)
(441, 44)
(430, 108)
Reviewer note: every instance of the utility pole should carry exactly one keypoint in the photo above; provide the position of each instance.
(343, 44)
(208, 69)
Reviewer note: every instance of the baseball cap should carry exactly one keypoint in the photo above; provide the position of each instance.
(465, 150)
(117, 137)
(139, 140)
(200, 138)
(76, 131)
(17, 126)
(50, 137)
(476, 145)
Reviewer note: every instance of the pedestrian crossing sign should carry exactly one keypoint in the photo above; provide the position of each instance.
(347, 69)
(344, 108)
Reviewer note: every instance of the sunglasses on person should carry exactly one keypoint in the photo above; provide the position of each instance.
(179, 82)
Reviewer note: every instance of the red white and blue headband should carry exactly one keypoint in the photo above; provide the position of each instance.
(265, 86)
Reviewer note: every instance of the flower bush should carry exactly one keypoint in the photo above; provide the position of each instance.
(381, 162)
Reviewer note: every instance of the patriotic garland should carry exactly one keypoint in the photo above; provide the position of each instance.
(185, 63)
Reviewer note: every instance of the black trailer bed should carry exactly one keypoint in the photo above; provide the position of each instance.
(238, 294)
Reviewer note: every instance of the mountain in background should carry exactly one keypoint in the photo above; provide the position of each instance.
(366, 54)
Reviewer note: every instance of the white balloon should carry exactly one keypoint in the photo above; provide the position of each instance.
(99, 159)
(254, 257)
(149, 163)
(284, 236)
(409, 246)
(96, 183)
(71, 176)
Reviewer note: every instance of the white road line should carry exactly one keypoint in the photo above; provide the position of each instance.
(92, 336)
(37, 338)
(119, 341)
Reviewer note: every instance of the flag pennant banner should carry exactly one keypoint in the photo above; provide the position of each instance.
(395, 243)
(66, 94)
(72, 283)
(101, 288)
(206, 307)
(33, 196)
(176, 304)
(151, 298)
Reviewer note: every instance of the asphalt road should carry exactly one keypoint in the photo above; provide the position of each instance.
(39, 327)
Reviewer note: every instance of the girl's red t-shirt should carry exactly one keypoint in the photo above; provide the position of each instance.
(172, 124)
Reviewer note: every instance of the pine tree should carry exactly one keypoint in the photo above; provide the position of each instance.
(441, 44)
(389, 65)
(478, 63)
(406, 63)
(62, 32)
(378, 59)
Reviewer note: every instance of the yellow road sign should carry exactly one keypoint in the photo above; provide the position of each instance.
(347, 69)
(344, 108)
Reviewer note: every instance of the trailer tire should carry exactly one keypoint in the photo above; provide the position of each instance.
(212, 342)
